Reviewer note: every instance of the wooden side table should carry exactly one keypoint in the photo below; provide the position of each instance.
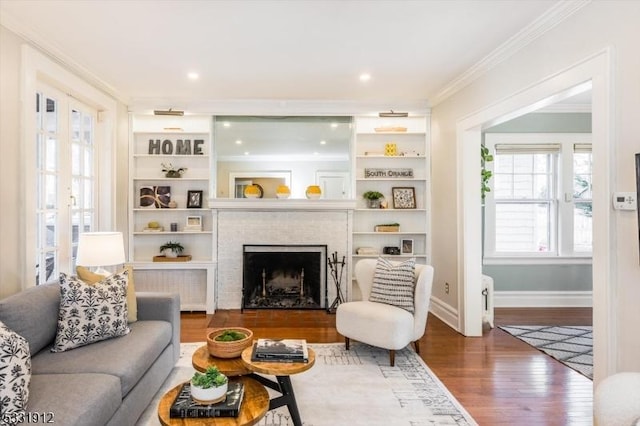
(254, 406)
(231, 367)
(282, 371)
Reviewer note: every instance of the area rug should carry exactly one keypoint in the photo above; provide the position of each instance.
(572, 346)
(355, 387)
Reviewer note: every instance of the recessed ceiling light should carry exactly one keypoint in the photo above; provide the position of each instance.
(238, 142)
(193, 75)
(226, 124)
(334, 125)
(246, 153)
(365, 77)
(315, 153)
(323, 142)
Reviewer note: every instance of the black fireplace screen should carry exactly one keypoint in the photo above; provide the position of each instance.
(284, 276)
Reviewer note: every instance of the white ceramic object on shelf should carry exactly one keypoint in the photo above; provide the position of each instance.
(209, 395)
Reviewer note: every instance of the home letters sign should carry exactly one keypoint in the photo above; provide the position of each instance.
(177, 147)
(388, 173)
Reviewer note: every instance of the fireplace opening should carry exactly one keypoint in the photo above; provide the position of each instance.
(284, 277)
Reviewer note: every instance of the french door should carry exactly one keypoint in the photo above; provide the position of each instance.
(65, 180)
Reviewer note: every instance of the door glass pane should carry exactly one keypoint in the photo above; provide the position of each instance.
(51, 154)
(75, 227)
(38, 112)
(523, 228)
(88, 222)
(88, 194)
(50, 265)
(88, 129)
(51, 234)
(76, 151)
(76, 124)
(51, 192)
(52, 116)
(88, 162)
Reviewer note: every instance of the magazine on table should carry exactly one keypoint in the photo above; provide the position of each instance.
(185, 407)
(280, 350)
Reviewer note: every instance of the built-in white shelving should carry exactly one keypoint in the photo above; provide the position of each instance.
(180, 142)
(412, 153)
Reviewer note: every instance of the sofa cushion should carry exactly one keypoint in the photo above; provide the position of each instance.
(91, 313)
(394, 283)
(33, 314)
(74, 399)
(127, 357)
(92, 278)
(15, 372)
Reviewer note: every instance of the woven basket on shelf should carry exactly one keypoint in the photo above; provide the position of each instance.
(231, 349)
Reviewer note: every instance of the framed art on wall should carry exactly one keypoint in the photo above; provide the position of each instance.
(194, 199)
(404, 197)
(155, 196)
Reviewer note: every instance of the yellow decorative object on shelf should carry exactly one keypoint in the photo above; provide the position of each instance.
(390, 150)
(313, 192)
(253, 191)
(283, 191)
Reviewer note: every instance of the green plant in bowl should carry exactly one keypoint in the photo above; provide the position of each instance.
(230, 336)
(211, 378)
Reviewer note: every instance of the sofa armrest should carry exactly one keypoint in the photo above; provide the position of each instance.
(161, 307)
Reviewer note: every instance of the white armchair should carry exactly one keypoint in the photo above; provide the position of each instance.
(380, 324)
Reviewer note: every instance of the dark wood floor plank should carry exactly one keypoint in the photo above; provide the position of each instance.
(499, 379)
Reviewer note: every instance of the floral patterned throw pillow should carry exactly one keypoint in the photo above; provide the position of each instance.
(91, 313)
(15, 374)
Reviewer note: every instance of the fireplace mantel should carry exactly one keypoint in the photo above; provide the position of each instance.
(278, 204)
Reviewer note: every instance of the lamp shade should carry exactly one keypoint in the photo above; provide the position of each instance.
(100, 249)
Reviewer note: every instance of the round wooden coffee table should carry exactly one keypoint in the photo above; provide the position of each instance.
(231, 367)
(254, 406)
(282, 371)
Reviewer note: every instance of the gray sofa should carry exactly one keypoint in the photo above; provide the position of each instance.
(105, 383)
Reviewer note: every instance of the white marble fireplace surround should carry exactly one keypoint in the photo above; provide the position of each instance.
(288, 222)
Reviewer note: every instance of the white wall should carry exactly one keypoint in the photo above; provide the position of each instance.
(10, 193)
(597, 26)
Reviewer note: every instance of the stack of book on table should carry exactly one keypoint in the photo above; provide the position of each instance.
(280, 350)
(185, 407)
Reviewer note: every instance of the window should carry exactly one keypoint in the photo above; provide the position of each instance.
(540, 200)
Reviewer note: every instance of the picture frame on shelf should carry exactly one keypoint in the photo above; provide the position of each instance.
(193, 224)
(406, 246)
(157, 197)
(404, 197)
(194, 199)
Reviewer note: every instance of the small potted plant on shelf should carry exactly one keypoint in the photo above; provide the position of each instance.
(171, 249)
(373, 199)
(209, 387)
(172, 172)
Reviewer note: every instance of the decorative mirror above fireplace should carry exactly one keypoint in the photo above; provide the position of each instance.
(304, 147)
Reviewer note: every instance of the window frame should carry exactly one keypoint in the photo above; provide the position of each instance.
(564, 243)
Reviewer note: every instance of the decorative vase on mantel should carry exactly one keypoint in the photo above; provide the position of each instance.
(313, 192)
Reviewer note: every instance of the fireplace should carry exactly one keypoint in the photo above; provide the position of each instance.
(284, 277)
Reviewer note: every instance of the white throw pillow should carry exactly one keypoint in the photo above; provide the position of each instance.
(393, 284)
(90, 313)
(15, 375)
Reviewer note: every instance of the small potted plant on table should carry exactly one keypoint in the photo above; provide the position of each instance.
(228, 342)
(209, 387)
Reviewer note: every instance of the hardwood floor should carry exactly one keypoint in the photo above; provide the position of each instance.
(499, 379)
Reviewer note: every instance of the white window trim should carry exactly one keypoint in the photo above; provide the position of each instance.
(564, 246)
(38, 67)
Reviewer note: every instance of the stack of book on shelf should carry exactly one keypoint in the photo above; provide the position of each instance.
(283, 350)
(185, 407)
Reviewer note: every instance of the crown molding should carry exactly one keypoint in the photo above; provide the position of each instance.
(279, 106)
(547, 21)
(48, 48)
(565, 108)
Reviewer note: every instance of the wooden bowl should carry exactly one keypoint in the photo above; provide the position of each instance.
(231, 349)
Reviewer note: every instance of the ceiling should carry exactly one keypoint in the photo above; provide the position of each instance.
(141, 50)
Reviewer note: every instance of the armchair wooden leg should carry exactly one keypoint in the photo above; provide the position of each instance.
(416, 345)
(346, 343)
(392, 357)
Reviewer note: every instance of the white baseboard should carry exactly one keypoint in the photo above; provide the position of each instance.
(542, 299)
(445, 312)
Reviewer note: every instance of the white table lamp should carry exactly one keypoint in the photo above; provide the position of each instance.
(98, 249)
